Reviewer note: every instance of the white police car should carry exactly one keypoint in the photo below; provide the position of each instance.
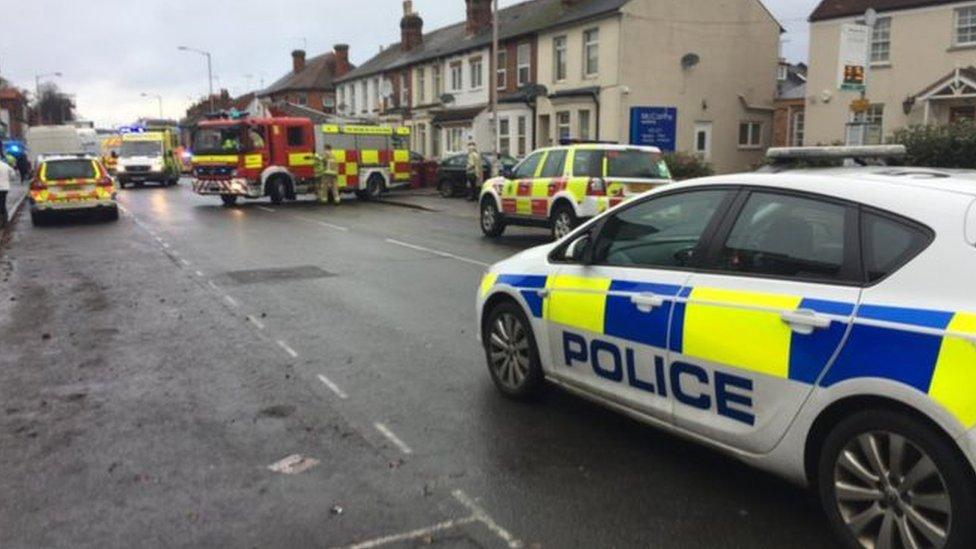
(819, 325)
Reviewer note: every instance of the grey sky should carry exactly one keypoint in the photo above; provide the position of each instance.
(110, 51)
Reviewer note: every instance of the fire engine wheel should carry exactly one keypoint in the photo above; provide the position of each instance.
(374, 186)
(276, 190)
(563, 221)
(229, 200)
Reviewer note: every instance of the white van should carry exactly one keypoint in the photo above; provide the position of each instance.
(59, 140)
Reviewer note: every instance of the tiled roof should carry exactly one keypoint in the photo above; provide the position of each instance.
(318, 74)
(520, 19)
(835, 9)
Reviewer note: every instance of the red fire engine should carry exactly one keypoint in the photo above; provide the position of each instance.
(257, 157)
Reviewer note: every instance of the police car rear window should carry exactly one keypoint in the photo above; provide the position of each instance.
(635, 163)
(889, 243)
(69, 169)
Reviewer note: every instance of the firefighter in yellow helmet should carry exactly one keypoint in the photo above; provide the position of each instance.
(328, 175)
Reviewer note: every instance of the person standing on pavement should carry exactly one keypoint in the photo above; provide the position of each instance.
(7, 175)
(327, 174)
(475, 171)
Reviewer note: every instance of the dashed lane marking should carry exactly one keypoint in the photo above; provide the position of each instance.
(291, 352)
(436, 252)
(213, 285)
(323, 223)
(385, 431)
(333, 387)
(231, 301)
(265, 208)
(185, 262)
(255, 321)
(199, 273)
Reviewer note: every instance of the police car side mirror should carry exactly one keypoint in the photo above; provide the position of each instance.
(506, 172)
(577, 251)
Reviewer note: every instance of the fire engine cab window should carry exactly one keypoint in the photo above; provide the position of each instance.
(296, 136)
(588, 163)
(662, 232)
(889, 244)
(526, 170)
(788, 236)
(555, 162)
(256, 135)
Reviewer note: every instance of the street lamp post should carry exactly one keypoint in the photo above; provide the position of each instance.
(37, 92)
(158, 98)
(493, 80)
(209, 70)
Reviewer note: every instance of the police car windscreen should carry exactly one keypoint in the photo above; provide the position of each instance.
(141, 148)
(69, 169)
(635, 163)
(217, 140)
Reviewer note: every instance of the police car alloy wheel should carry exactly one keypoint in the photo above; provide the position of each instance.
(491, 223)
(563, 222)
(510, 347)
(887, 480)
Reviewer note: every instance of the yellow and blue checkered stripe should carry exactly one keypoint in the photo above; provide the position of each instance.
(931, 351)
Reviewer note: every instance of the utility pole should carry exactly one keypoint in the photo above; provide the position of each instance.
(209, 70)
(493, 87)
(158, 98)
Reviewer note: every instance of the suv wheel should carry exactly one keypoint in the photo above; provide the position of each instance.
(229, 200)
(513, 358)
(563, 221)
(492, 224)
(446, 188)
(374, 186)
(889, 480)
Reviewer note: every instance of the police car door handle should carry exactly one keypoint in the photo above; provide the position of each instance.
(805, 321)
(646, 302)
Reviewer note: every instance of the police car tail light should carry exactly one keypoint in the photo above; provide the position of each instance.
(596, 187)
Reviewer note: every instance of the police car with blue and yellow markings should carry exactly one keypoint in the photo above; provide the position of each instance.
(821, 326)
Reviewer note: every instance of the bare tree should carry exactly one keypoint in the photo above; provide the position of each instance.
(53, 107)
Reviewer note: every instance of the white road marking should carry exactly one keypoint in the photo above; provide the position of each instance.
(385, 431)
(265, 208)
(165, 245)
(200, 274)
(479, 514)
(291, 352)
(323, 223)
(333, 387)
(233, 302)
(256, 322)
(185, 262)
(413, 534)
(212, 285)
(293, 465)
(437, 252)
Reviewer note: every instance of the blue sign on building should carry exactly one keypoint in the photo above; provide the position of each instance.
(655, 127)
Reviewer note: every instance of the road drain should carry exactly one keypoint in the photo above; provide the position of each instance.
(272, 276)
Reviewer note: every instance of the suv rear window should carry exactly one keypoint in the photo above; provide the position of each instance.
(635, 163)
(889, 244)
(69, 169)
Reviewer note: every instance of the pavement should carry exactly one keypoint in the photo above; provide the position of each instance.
(308, 376)
(16, 195)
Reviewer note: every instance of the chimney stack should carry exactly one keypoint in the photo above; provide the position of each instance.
(479, 15)
(341, 59)
(298, 60)
(411, 28)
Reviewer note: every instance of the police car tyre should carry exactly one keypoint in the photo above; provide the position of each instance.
(112, 214)
(276, 190)
(563, 220)
(492, 224)
(887, 479)
(228, 199)
(511, 352)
